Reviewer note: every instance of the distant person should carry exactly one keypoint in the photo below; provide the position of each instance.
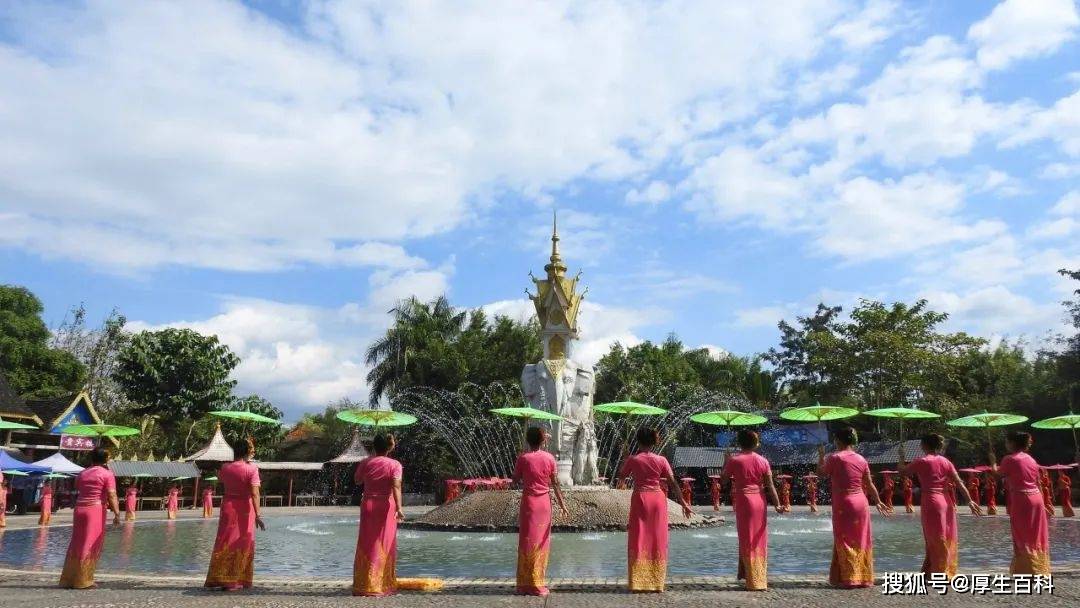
(811, 491)
(1027, 507)
(989, 486)
(853, 542)
(1047, 490)
(937, 511)
(888, 487)
(647, 538)
(750, 473)
(97, 490)
(131, 501)
(909, 495)
(537, 472)
(46, 504)
(208, 501)
(172, 501)
(3, 501)
(374, 566)
(1064, 484)
(233, 561)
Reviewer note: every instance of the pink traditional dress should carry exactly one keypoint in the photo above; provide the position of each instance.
(888, 488)
(376, 548)
(46, 505)
(747, 471)
(811, 492)
(1027, 515)
(172, 504)
(208, 503)
(131, 499)
(647, 543)
(232, 564)
(1065, 494)
(938, 513)
(990, 495)
(3, 502)
(853, 544)
(88, 527)
(535, 470)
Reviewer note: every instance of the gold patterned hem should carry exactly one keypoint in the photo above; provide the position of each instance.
(851, 567)
(374, 577)
(231, 568)
(754, 569)
(647, 574)
(1030, 562)
(78, 573)
(532, 569)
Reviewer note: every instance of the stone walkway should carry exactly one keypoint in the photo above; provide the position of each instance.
(20, 589)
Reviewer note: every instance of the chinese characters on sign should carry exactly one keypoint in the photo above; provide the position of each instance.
(916, 583)
(74, 442)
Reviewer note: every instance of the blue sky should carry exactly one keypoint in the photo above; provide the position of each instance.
(280, 173)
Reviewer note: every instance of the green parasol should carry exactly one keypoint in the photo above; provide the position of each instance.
(14, 473)
(244, 415)
(181, 478)
(5, 425)
(214, 478)
(528, 413)
(901, 414)
(629, 407)
(377, 417)
(728, 418)
(100, 430)
(986, 420)
(818, 413)
(56, 476)
(1069, 421)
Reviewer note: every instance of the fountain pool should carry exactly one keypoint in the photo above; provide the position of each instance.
(322, 546)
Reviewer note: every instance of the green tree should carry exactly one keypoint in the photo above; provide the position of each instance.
(97, 349)
(176, 375)
(31, 366)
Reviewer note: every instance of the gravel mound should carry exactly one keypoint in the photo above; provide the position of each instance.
(591, 509)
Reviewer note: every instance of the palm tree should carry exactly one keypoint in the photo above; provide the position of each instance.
(417, 326)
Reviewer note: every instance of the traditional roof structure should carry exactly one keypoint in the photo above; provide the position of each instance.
(885, 452)
(700, 457)
(354, 453)
(61, 411)
(289, 466)
(557, 304)
(12, 405)
(217, 450)
(130, 468)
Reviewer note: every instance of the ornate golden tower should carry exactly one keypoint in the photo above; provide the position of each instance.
(557, 303)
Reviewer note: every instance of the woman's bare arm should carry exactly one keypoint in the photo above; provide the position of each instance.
(770, 487)
(558, 494)
(397, 500)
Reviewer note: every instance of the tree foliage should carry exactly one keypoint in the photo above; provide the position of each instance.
(176, 375)
(31, 366)
(435, 345)
(97, 349)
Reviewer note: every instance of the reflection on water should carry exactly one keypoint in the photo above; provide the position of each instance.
(322, 547)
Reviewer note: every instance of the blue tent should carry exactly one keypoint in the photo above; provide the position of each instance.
(7, 463)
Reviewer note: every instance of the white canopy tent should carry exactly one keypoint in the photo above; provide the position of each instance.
(59, 464)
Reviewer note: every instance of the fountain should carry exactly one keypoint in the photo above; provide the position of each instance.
(487, 445)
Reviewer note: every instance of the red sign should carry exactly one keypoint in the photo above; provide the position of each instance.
(75, 442)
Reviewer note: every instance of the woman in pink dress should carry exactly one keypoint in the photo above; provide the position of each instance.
(131, 500)
(96, 486)
(172, 503)
(1027, 508)
(232, 564)
(647, 542)
(3, 502)
(749, 473)
(537, 473)
(850, 480)
(46, 504)
(937, 512)
(380, 511)
(208, 502)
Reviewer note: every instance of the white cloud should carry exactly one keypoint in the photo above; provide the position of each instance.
(1059, 123)
(1060, 171)
(1064, 220)
(655, 193)
(871, 25)
(738, 184)
(995, 310)
(761, 316)
(373, 122)
(1022, 29)
(815, 86)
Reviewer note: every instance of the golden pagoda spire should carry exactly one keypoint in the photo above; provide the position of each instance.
(556, 267)
(557, 303)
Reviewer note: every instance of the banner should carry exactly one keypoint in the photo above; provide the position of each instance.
(75, 442)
